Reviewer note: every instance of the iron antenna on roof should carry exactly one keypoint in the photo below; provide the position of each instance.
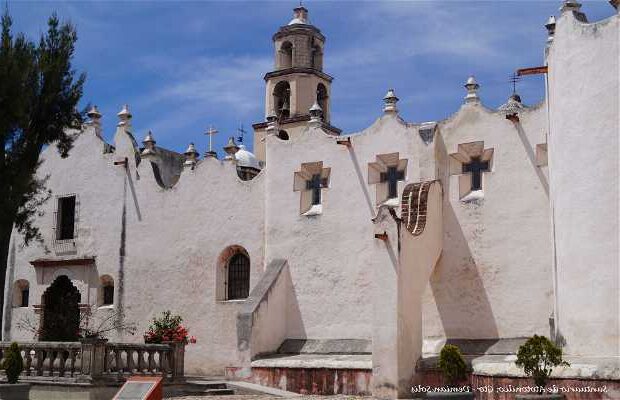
(514, 78)
(242, 133)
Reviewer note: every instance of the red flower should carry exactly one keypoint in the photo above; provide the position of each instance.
(192, 340)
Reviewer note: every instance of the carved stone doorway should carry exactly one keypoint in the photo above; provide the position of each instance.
(61, 311)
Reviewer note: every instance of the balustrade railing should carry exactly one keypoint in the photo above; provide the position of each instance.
(97, 360)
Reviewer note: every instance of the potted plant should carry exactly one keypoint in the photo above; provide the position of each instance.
(538, 356)
(13, 365)
(454, 371)
(168, 328)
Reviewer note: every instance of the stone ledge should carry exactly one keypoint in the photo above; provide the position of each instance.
(314, 361)
(326, 346)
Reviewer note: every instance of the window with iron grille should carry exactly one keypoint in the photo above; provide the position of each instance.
(65, 218)
(108, 295)
(25, 296)
(238, 277)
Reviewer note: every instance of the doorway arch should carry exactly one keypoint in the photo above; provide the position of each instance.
(61, 311)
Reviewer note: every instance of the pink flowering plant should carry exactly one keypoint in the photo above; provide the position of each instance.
(168, 328)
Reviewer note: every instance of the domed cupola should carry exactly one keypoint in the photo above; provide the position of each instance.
(248, 165)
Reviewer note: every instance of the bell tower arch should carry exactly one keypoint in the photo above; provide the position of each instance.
(297, 81)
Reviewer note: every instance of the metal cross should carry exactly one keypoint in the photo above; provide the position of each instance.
(210, 132)
(476, 167)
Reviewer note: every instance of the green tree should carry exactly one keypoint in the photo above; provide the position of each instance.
(13, 363)
(452, 364)
(537, 356)
(39, 93)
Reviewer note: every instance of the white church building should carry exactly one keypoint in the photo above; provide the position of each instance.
(328, 262)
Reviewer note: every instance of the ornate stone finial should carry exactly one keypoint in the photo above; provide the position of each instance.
(472, 90)
(316, 115)
(550, 25)
(95, 119)
(93, 113)
(390, 101)
(300, 16)
(570, 5)
(149, 144)
(512, 108)
(124, 116)
(231, 148)
(272, 123)
(191, 156)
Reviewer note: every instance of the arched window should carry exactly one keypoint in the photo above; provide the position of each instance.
(106, 291)
(233, 274)
(282, 99)
(317, 57)
(283, 135)
(21, 293)
(321, 97)
(238, 277)
(286, 55)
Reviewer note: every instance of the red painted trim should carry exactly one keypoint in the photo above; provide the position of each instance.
(42, 262)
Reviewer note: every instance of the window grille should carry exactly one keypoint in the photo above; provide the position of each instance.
(238, 277)
(25, 297)
(66, 218)
(108, 295)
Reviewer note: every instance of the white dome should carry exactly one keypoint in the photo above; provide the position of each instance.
(245, 158)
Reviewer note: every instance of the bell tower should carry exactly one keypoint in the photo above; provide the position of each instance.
(296, 82)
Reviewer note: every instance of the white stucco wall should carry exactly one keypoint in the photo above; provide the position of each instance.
(332, 255)
(496, 250)
(173, 240)
(583, 162)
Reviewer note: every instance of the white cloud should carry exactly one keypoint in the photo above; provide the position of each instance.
(198, 89)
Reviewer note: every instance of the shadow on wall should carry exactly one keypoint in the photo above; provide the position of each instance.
(456, 284)
(532, 158)
(294, 325)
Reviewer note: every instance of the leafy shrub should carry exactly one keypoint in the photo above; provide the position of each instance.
(537, 356)
(167, 328)
(13, 363)
(452, 364)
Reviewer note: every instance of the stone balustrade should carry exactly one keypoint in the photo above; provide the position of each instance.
(95, 361)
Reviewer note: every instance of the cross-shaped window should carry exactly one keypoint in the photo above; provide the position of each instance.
(476, 167)
(385, 173)
(392, 176)
(469, 162)
(310, 181)
(316, 183)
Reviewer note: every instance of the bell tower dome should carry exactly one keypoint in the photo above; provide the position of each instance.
(297, 81)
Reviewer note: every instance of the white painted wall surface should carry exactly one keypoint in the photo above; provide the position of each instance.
(173, 240)
(583, 161)
(496, 252)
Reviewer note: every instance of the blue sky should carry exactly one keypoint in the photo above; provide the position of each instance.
(185, 65)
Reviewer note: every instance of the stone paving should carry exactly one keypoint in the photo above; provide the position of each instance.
(266, 397)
